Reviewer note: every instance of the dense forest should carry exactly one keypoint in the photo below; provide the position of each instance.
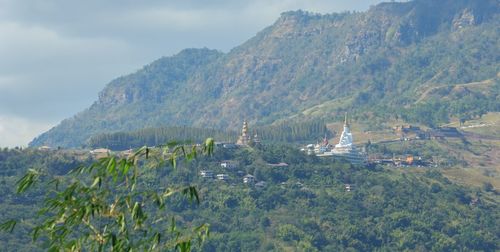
(304, 205)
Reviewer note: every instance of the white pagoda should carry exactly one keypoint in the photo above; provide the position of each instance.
(345, 148)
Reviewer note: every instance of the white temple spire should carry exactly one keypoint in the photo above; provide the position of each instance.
(346, 137)
(345, 148)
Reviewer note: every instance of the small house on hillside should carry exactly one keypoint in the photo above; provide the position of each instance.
(228, 164)
(127, 153)
(406, 129)
(348, 187)
(248, 179)
(222, 176)
(444, 132)
(101, 152)
(408, 132)
(44, 148)
(206, 174)
(281, 164)
(229, 146)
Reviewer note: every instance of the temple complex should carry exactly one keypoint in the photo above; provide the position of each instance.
(344, 149)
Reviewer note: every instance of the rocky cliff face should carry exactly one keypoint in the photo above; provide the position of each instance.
(334, 62)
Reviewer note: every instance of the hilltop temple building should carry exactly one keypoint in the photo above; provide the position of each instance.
(245, 139)
(345, 148)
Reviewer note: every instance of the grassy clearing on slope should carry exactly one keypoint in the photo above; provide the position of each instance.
(430, 89)
(471, 176)
(488, 125)
(326, 107)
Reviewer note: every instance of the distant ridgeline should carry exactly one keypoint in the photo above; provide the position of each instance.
(282, 132)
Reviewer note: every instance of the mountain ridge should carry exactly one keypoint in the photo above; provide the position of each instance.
(373, 60)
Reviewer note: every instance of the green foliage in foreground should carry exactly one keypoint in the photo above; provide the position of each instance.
(101, 207)
(302, 207)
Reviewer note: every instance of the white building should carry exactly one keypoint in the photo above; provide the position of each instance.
(248, 179)
(100, 153)
(345, 148)
(44, 148)
(206, 174)
(228, 164)
(222, 176)
(280, 164)
(348, 187)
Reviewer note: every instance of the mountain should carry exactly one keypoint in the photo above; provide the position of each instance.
(379, 62)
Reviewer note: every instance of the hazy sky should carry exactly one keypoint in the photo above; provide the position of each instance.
(56, 55)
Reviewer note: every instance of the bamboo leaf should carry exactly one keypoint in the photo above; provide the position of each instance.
(172, 224)
(157, 238)
(126, 168)
(192, 193)
(111, 166)
(168, 193)
(56, 182)
(209, 146)
(97, 181)
(184, 246)
(122, 223)
(8, 225)
(27, 180)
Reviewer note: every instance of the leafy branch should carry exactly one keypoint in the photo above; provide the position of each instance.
(105, 206)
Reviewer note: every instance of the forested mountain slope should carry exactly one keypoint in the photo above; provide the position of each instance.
(377, 62)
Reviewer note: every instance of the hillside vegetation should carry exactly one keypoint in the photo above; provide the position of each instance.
(303, 206)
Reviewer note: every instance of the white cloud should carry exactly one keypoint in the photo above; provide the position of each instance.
(7, 81)
(18, 131)
(46, 75)
(26, 48)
